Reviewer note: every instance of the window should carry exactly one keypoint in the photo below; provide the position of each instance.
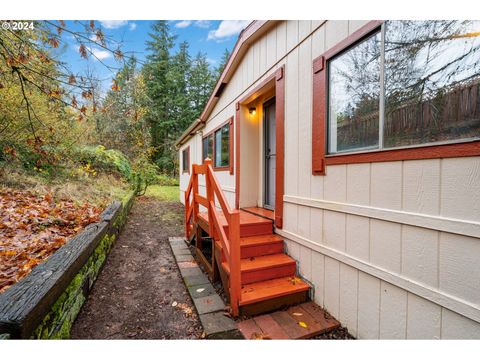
(207, 147)
(222, 146)
(186, 160)
(218, 146)
(408, 83)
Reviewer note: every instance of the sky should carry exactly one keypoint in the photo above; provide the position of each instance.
(209, 36)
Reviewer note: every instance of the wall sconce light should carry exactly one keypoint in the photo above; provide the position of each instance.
(252, 110)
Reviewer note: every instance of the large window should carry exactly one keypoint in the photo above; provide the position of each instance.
(408, 83)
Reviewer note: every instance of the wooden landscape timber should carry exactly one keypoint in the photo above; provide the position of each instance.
(45, 303)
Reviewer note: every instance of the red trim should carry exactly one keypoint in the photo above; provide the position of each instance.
(237, 156)
(319, 116)
(279, 79)
(230, 121)
(320, 91)
(187, 149)
(280, 145)
(414, 153)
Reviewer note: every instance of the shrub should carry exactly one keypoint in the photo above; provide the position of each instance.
(111, 161)
(144, 175)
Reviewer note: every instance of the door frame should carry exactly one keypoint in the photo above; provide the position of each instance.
(266, 184)
(278, 78)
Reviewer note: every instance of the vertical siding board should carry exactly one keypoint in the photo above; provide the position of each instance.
(291, 218)
(305, 263)
(332, 282)
(455, 326)
(421, 186)
(292, 34)
(348, 298)
(263, 54)
(336, 183)
(304, 221)
(385, 238)
(250, 61)
(420, 255)
(256, 60)
(368, 306)
(318, 277)
(304, 118)
(393, 312)
(304, 29)
(386, 185)
(358, 184)
(281, 39)
(334, 229)
(461, 185)
(459, 266)
(335, 31)
(291, 123)
(271, 48)
(316, 225)
(424, 318)
(357, 236)
(318, 42)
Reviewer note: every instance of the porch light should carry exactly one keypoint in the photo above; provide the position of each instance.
(252, 110)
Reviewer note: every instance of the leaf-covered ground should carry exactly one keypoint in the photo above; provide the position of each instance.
(32, 227)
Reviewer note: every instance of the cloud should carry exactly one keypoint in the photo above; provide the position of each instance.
(183, 24)
(101, 54)
(212, 62)
(113, 24)
(204, 24)
(227, 28)
(132, 26)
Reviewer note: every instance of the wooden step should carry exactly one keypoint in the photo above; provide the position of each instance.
(263, 268)
(253, 246)
(270, 289)
(260, 245)
(250, 224)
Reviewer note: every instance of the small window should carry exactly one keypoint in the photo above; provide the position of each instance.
(409, 83)
(222, 146)
(207, 147)
(186, 160)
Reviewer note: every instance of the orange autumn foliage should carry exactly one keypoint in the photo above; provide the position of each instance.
(33, 227)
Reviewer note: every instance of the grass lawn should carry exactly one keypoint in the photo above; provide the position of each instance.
(166, 193)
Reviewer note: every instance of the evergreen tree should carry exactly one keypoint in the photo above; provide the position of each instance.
(158, 86)
(202, 81)
(223, 63)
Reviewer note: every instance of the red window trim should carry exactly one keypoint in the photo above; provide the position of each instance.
(229, 167)
(187, 149)
(320, 159)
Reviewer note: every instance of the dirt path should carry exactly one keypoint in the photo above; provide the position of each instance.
(133, 296)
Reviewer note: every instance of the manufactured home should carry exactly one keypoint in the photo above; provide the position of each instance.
(340, 161)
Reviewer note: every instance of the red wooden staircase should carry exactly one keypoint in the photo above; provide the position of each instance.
(249, 258)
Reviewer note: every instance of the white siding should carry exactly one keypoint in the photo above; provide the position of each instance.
(366, 235)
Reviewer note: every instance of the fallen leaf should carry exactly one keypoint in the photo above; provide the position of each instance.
(174, 304)
(200, 290)
(302, 324)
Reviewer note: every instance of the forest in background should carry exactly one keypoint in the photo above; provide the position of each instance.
(57, 126)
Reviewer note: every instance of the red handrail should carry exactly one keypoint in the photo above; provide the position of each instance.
(231, 243)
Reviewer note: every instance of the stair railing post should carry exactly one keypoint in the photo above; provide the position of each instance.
(195, 191)
(210, 195)
(235, 279)
(187, 208)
